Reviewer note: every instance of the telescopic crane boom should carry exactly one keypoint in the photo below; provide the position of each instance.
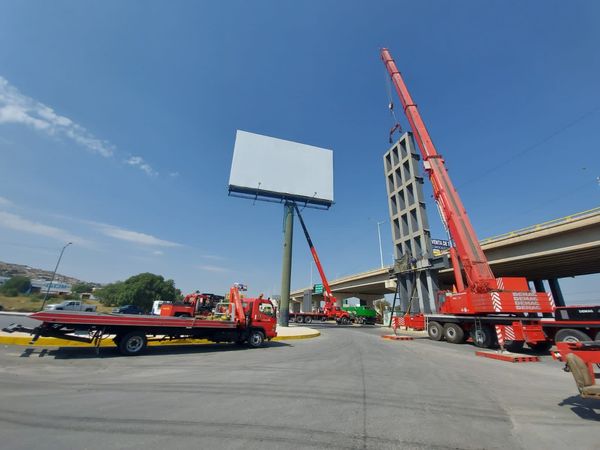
(477, 269)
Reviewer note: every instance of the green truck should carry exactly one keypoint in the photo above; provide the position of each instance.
(361, 314)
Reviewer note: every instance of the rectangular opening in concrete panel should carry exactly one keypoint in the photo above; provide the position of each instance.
(404, 224)
(401, 199)
(398, 177)
(406, 170)
(403, 151)
(388, 162)
(418, 247)
(391, 184)
(414, 221)
(410, 195)
(395, 159)
(399, 251)
(394, 205)
(397, 234)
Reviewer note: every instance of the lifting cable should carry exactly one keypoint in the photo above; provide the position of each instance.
(395, 122)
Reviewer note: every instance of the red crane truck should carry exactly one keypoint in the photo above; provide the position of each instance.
(330, 310)
(489, 309)
(250, 321)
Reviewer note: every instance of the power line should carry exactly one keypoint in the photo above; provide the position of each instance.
(532, 147)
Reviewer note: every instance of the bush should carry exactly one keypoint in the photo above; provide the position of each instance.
(17, 284)
(10, 292)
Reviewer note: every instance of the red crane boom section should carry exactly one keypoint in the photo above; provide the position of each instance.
(477, 269)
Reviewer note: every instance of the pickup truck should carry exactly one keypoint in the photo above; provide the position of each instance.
(71, 305)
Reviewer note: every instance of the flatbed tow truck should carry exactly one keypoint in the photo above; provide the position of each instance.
(248, 321)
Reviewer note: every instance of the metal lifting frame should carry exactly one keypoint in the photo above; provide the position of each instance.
(478, 273)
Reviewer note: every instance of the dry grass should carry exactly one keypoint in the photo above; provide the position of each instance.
(31, 304)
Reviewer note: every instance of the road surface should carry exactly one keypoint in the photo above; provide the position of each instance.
(347, 389)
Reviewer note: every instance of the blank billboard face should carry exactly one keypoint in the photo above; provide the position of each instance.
(276, 168)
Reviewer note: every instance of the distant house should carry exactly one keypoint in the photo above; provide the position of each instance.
(56, 287)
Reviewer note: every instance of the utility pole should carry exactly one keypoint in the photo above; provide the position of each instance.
(54, 275)
(380, 248)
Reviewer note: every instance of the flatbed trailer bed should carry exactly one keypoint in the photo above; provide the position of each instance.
(130, 332)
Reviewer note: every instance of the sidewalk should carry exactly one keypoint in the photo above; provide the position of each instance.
(283, 334)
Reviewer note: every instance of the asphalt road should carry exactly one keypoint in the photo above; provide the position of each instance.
(346, 389)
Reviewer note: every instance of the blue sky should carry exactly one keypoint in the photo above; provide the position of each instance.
(118, 121)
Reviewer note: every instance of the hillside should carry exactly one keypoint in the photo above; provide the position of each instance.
(11, 270)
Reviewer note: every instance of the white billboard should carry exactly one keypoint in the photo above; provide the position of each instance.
(271, 167)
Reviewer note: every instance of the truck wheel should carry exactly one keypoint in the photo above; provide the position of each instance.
(571, 335)
(483, 337)
(324, 319)
(299, 319)
(514, 346)
(256, 339)
(541, 347)
(454, 333)
(307, 319)
(133, 343)
(435, 331)
(345, 321)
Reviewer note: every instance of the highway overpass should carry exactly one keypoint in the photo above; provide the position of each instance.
(560, 248)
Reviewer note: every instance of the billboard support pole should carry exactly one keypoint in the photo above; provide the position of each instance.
(286, 264)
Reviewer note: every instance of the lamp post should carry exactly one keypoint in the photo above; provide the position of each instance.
(379, 236)
(54, 275)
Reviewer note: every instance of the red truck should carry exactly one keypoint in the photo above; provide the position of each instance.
(251, 321)
(490, 310)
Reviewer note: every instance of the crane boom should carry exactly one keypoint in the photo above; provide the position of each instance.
(479, 275)
(313, 251)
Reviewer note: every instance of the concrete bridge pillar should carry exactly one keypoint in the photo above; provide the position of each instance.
(559, 300)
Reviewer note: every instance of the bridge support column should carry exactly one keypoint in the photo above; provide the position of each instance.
(539, 286)
(559, 300)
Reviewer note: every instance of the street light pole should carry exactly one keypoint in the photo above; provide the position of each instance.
(54, 275)
(380, 248)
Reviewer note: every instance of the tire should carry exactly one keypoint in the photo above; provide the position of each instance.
(299, 319)
(256, 339)
(484, 337)
(454, 333)
(307, 319)
(435, 330)
(345, 320)
(133, 343)
(541, 347)
(324, 319)
(514, 346)
(571, 335)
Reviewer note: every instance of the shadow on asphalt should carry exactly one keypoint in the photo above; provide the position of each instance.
(586, 408)
(112, 352)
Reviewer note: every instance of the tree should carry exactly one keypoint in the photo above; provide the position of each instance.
(16, 285)
(80, 288)
(140, 290)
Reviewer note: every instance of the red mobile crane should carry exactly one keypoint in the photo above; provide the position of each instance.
(330, 310)
(488, 308)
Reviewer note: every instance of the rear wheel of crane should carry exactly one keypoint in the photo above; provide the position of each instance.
(454, 333)
(133, 343)
(299, 319)
(435, 330)
(483, 337)
(571, 335)
(256, 338)
(514, 346)
(307, 319)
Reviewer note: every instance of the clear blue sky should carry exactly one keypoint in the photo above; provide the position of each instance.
(118, 120)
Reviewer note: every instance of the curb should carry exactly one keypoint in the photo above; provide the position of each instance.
(55, 342)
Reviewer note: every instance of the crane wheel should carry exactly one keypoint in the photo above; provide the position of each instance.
(435, 331)
(483, 337)
(133, 343)
(571, 335)
(454, 333)
(256, 339)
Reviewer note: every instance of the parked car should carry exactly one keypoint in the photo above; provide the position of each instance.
(71, 305)
(128, 309)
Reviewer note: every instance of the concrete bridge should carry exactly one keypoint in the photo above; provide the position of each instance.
(564, 247)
